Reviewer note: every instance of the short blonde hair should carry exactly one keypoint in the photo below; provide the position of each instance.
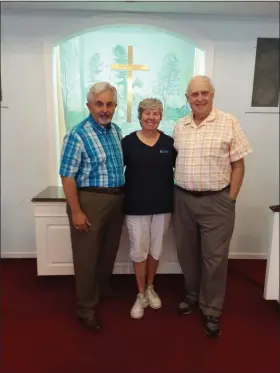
(101, 87)
(150, 104)
(204, 78)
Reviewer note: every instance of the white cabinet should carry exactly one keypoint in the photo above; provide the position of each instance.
(271, 288)
(53, 245)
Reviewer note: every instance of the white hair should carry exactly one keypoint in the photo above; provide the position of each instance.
(101, 87)
(203, 78)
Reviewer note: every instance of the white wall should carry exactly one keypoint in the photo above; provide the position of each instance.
(25, 148)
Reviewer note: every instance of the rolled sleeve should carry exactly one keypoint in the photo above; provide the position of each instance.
(71, 155)
(239, 146)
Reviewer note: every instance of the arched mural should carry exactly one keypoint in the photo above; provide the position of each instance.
(141, 61)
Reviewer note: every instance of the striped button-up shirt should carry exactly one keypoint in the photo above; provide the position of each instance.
(206, 151)
(92, 155)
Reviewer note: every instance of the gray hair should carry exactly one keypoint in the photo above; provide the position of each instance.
(101, 87)
(150, 104)
(203, 78)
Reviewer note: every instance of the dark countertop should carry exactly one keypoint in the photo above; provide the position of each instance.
(275, 208)
(50, 194)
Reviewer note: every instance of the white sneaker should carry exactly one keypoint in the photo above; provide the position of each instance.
(153, 298)
(137, 311)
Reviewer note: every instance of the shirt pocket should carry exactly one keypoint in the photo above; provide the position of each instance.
(93, 160)
(216, 145)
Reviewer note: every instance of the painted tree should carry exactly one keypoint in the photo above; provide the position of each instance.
(81, 46)
(138, 95)
(94, 68)
(69, 67)
(120, 57)
(168, 78)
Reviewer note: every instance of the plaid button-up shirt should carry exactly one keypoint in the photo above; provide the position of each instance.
(205, 152)
(93, 155)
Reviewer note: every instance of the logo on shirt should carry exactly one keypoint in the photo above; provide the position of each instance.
(162, 151)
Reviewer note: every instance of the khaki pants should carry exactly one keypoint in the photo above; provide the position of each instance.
(94, 252)
(203, 228)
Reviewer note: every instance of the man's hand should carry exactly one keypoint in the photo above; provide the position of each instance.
(238, 170)
(80, 221)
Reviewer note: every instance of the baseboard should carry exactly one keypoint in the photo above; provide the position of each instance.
(124, 267)
(18, 254)
(31, 254)
(261, 256)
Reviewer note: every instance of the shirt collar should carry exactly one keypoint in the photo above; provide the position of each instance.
(210, 118)
(97, 126)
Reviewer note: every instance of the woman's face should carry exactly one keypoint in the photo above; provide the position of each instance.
(150, 119)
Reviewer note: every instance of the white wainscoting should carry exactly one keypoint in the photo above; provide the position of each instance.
(53, 245)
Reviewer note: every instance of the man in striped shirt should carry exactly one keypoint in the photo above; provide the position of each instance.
(92, 173)
(209, 173)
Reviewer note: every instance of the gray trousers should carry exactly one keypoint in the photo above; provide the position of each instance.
(203, 227)
(94, 252)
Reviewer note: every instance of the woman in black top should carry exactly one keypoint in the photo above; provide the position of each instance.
(149, 158)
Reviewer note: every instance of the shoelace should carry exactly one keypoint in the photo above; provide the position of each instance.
(188, 300)
(141, 300)
(213, 319)
(152, 292)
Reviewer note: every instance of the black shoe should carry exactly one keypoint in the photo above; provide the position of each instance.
(186, 306)
(212, 325)
(92, 323)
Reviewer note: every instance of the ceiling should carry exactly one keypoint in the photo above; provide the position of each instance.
(248, 8)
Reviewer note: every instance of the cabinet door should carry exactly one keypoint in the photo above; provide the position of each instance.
(54, 253)
(271, 287)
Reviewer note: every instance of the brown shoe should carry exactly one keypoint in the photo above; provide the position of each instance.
(90, 323)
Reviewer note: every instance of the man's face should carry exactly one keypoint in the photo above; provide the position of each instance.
(200, 98)
(102, 107)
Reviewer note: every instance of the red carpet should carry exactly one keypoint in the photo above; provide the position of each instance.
(40, 333)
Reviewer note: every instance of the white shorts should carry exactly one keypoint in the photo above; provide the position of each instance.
(146, 234)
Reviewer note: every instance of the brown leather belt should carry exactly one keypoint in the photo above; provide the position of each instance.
(198, 193)
(103, 190)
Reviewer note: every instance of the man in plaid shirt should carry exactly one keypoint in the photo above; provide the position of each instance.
(92, 173)
(209, 172)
